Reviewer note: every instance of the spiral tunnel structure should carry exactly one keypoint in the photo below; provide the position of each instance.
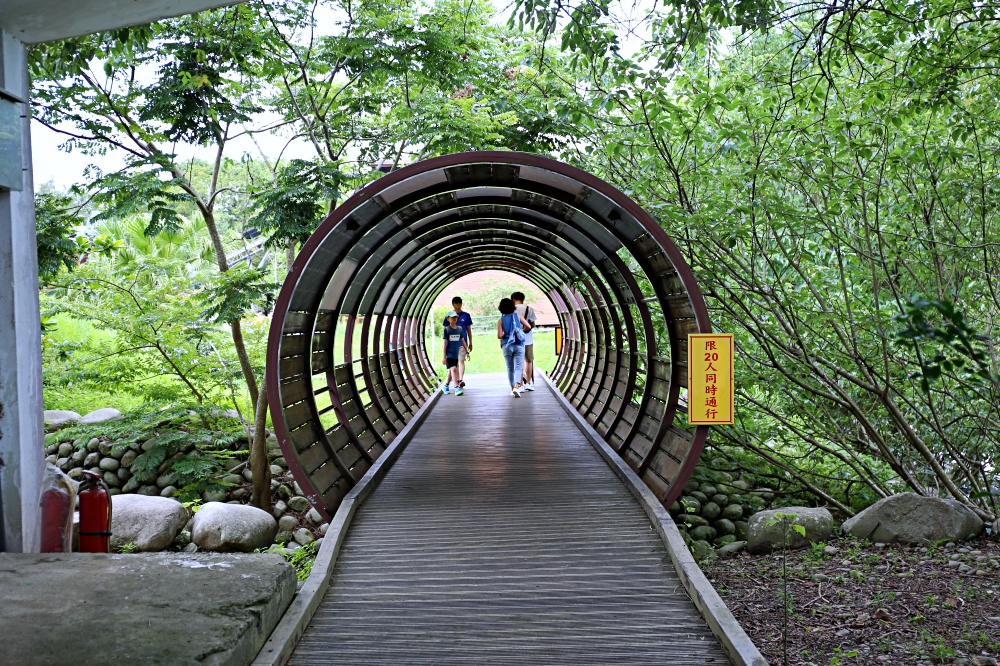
(347, 361)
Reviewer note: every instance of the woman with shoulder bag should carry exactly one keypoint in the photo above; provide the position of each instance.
(510, 331)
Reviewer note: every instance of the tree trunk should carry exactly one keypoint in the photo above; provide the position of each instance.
(261, 497)
(241, 352)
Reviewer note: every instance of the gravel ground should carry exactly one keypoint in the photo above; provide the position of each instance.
(853, 602)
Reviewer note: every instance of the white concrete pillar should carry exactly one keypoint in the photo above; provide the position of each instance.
(22, 431)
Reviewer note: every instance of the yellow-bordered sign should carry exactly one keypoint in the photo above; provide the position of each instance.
(710, 378)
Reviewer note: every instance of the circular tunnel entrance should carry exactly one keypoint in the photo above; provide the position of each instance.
(347, 363)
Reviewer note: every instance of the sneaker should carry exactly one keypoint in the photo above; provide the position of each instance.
(529, 387)
(446, 389)
(516, 393)
(459, 391)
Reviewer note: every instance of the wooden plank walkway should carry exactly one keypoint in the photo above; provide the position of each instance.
(501, 537)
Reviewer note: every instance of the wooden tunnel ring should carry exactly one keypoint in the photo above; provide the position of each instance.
(365, 280)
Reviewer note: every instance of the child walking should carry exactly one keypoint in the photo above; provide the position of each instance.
(455, 339)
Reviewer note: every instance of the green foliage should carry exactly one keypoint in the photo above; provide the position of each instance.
(231, 295)
(301, 559)
(954, 342)
(300, 197)
(56, 227)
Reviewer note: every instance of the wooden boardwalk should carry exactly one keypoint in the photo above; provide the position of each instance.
(501, 537)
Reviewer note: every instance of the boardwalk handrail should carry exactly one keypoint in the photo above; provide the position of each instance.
(347, 366)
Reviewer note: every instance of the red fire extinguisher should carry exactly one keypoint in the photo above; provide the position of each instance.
(95, 514)
(58, 497)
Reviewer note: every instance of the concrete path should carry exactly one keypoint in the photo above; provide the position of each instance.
(501, 537)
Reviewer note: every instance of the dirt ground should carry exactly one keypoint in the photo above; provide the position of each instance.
(852, 602)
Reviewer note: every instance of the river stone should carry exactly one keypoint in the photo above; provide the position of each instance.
(303, 536)
(912, 518)
(128, 458)
(724, 540)
(708, 491)
(690, 505)
(723, 526)
(57, 419)
(100, 416)
(104, 448)
(700, 549)
(52, 449)
(124, 473)
(313, 517)
(733, 512)
(131, 486)
(65, 464)
(51, 460)
(149, 491)
(247, 474)
(287, 523)
(118, 451)
(741, 529)
(234, 479)
(217, 495)
(694, 521)
(94, 445)
(280, 462)
(164, 480)
(109, 464)
(283, 537)
(65, 450)
(710, 511)
(169, 491)
(233, 527)
(298, 503)
(149, 522)
(703, 533)
(276, 471)
(731, 548)
(720, 499)
(76, 474)
(691, 486)
(762, 538)
(92, 459)
(112, 480)
(701, 497)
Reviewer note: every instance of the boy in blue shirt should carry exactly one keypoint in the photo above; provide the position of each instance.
(465, 323)
(455, 339)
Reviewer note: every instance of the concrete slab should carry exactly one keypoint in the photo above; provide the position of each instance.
(143, 608)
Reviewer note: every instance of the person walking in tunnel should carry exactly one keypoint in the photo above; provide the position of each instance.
(455, 339)
(465, 323)
(510, 331)
(527, 315)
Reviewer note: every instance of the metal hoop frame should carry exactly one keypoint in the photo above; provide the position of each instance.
(625, 297)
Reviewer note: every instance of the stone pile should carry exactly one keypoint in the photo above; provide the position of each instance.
(714, 514)
(300, 524)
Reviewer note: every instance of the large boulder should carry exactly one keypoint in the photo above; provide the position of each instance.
(100, 416)
(912, 518)
(762, 537)
(151, 523)
(233, 527)
(57, 419)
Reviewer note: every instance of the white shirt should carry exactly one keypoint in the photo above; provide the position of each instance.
(527, 314)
